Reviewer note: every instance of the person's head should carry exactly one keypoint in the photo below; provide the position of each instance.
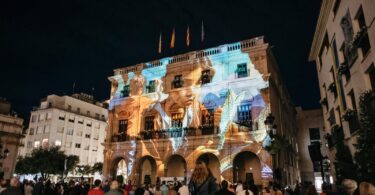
(14, 182)
(114, 185)
(175, 178)
(129, 181)
(224, 184)
(97, 182)
(200, 172)
(163, 182)
(366, 188)
(349, 185)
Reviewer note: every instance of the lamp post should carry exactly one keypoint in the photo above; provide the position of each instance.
(271, 131)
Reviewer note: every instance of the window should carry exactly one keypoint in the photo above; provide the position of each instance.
(177, 82)
(57, 142)
(149, 123)
(150, 88)
(125, 91)
(86, 148)
(49, 116)
(353, 120)
(39, 130)
(80, 121)
(241, 70)
(336, 7)
(332, 87)
(177, 120)
(332, 118)
(78, 110)
(29, 144)
(344, 68)
(79, 133)
(371, 75)
(87, 135)
(208, 118)
(70, 132)
(97, 115)
(36, 144)
(88, 123)
(78, 145)
(71, 119)
(46, 128)
(31, 132)
(60, 129)
(244, 115)
(33, 118)
(205, 78)
(42, 117)
(69, 107)
(123, 127)
(314, 135)
(361, 37)
(62, 116)
(88, 113)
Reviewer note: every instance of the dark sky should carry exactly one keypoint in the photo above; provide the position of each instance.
(47, 45)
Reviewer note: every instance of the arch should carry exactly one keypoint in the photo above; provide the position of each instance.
(213, 164)
(175, 166)
(247, 168)
(146, 170)
(119, 167)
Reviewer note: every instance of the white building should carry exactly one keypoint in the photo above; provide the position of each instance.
(343, 49)
(10, 134)
(77, 124)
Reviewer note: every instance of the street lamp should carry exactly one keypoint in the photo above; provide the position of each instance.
(271, 131)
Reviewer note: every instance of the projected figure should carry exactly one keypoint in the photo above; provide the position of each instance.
(137, 84)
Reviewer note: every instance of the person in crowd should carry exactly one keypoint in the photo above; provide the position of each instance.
(59, 189)
(224, 189)
(14, 188)
(239, 187)
(147, 190)
(106, 187)
(48, 188)
(3, 185)
(128, 187)
(172, 190)
(349, 186)
(276, 189)
(202, 181)
(96, 190)
(157, 190)
(114, 189)
(164, 188)
(266, 191)
(39, 188)
(28, 189)
(183, 189)
(76, 189)
(366, 188)
(245, 191)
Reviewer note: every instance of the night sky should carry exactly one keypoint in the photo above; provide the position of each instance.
(47, 45)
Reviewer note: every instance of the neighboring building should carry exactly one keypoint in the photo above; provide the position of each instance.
(343, 49)
(11, 128)
(211, 104)
(311, 133)
(75, 123)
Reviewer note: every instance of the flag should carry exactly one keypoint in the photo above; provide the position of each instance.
(159, 49)
(202, 33)
(172, 39)
(188, 37)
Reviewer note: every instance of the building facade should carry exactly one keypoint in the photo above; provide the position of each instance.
(74, 123)
(312, 147)
(11, 128)
(211, 104)
(343, 51)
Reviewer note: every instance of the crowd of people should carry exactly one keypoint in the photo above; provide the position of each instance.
(202, 182)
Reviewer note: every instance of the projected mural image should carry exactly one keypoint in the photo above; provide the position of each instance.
(214, 95)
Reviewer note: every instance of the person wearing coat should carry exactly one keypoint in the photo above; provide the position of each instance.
(202, 181)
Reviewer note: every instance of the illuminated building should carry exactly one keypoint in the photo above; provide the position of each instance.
(10, 134)
(212, 104)
(75, 123)
(343, 51)
(311, 135)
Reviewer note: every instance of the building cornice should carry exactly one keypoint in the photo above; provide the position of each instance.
(321, 26)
